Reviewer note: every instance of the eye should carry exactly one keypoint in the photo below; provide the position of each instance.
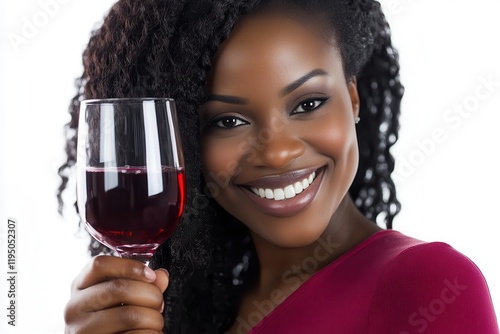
(228, 122)
(308, 105)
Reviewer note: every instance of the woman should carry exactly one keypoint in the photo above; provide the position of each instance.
(294, 105)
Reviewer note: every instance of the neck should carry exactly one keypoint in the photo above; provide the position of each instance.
(282, 266)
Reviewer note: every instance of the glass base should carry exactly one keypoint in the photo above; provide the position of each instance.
(142, 253)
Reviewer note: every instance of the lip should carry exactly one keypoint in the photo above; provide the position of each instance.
(281, 181)
(286, 207)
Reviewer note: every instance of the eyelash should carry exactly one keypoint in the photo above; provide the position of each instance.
(320, 102)
(317, 101)
(221, 119)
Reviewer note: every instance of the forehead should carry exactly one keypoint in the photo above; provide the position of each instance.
(272, 49)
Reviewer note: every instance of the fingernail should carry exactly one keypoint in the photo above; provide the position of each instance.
(162, 307)
(149, 273)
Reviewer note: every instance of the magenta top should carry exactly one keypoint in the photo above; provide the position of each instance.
(390, 284)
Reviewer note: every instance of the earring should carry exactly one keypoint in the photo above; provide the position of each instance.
(357, 120)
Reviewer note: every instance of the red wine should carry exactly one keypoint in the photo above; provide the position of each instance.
(132, 209)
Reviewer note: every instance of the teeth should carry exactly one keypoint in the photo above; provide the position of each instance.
(298, 187)
(279, 194)
(287, 192)
(311, 177)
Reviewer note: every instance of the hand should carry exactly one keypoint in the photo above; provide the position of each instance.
(115, 295)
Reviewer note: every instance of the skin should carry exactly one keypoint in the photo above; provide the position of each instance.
(98, 292)
(263, 55)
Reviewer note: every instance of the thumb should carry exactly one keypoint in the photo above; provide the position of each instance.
(162, 279)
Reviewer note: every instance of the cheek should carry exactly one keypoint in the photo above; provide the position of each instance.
(334, 136)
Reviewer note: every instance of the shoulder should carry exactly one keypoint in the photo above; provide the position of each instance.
(431, 287)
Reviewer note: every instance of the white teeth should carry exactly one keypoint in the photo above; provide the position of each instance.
(298, 188)
(287, 192)
(279, 194)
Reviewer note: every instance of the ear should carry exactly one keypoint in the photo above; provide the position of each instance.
(352, 86)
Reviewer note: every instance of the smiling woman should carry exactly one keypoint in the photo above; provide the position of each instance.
(305, 88)
(285, 182)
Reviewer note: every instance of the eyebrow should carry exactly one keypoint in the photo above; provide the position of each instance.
(285, 91)
(227, 99)
(300, 81)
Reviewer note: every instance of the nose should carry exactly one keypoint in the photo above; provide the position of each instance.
(277, 149)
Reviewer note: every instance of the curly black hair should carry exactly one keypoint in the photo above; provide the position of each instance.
(165, 48)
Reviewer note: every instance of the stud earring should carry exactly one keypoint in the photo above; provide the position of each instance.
(357, 120)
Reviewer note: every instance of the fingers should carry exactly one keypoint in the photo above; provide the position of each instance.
(117, 292)
(104, 268)
(115, 295)
(142, 331)
(122, 319)
(162, 279)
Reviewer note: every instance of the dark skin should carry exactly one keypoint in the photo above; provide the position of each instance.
(98, 292)
(256, 68)
(252, 67)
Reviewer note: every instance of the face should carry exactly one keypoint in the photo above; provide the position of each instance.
(278, 130)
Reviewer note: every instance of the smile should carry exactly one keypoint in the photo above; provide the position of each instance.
(287, 192)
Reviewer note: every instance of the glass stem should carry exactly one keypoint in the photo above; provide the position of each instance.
(144, 258)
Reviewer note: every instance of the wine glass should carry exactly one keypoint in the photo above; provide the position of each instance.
(131, 179)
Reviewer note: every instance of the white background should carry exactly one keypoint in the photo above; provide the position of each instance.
(449, 190)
